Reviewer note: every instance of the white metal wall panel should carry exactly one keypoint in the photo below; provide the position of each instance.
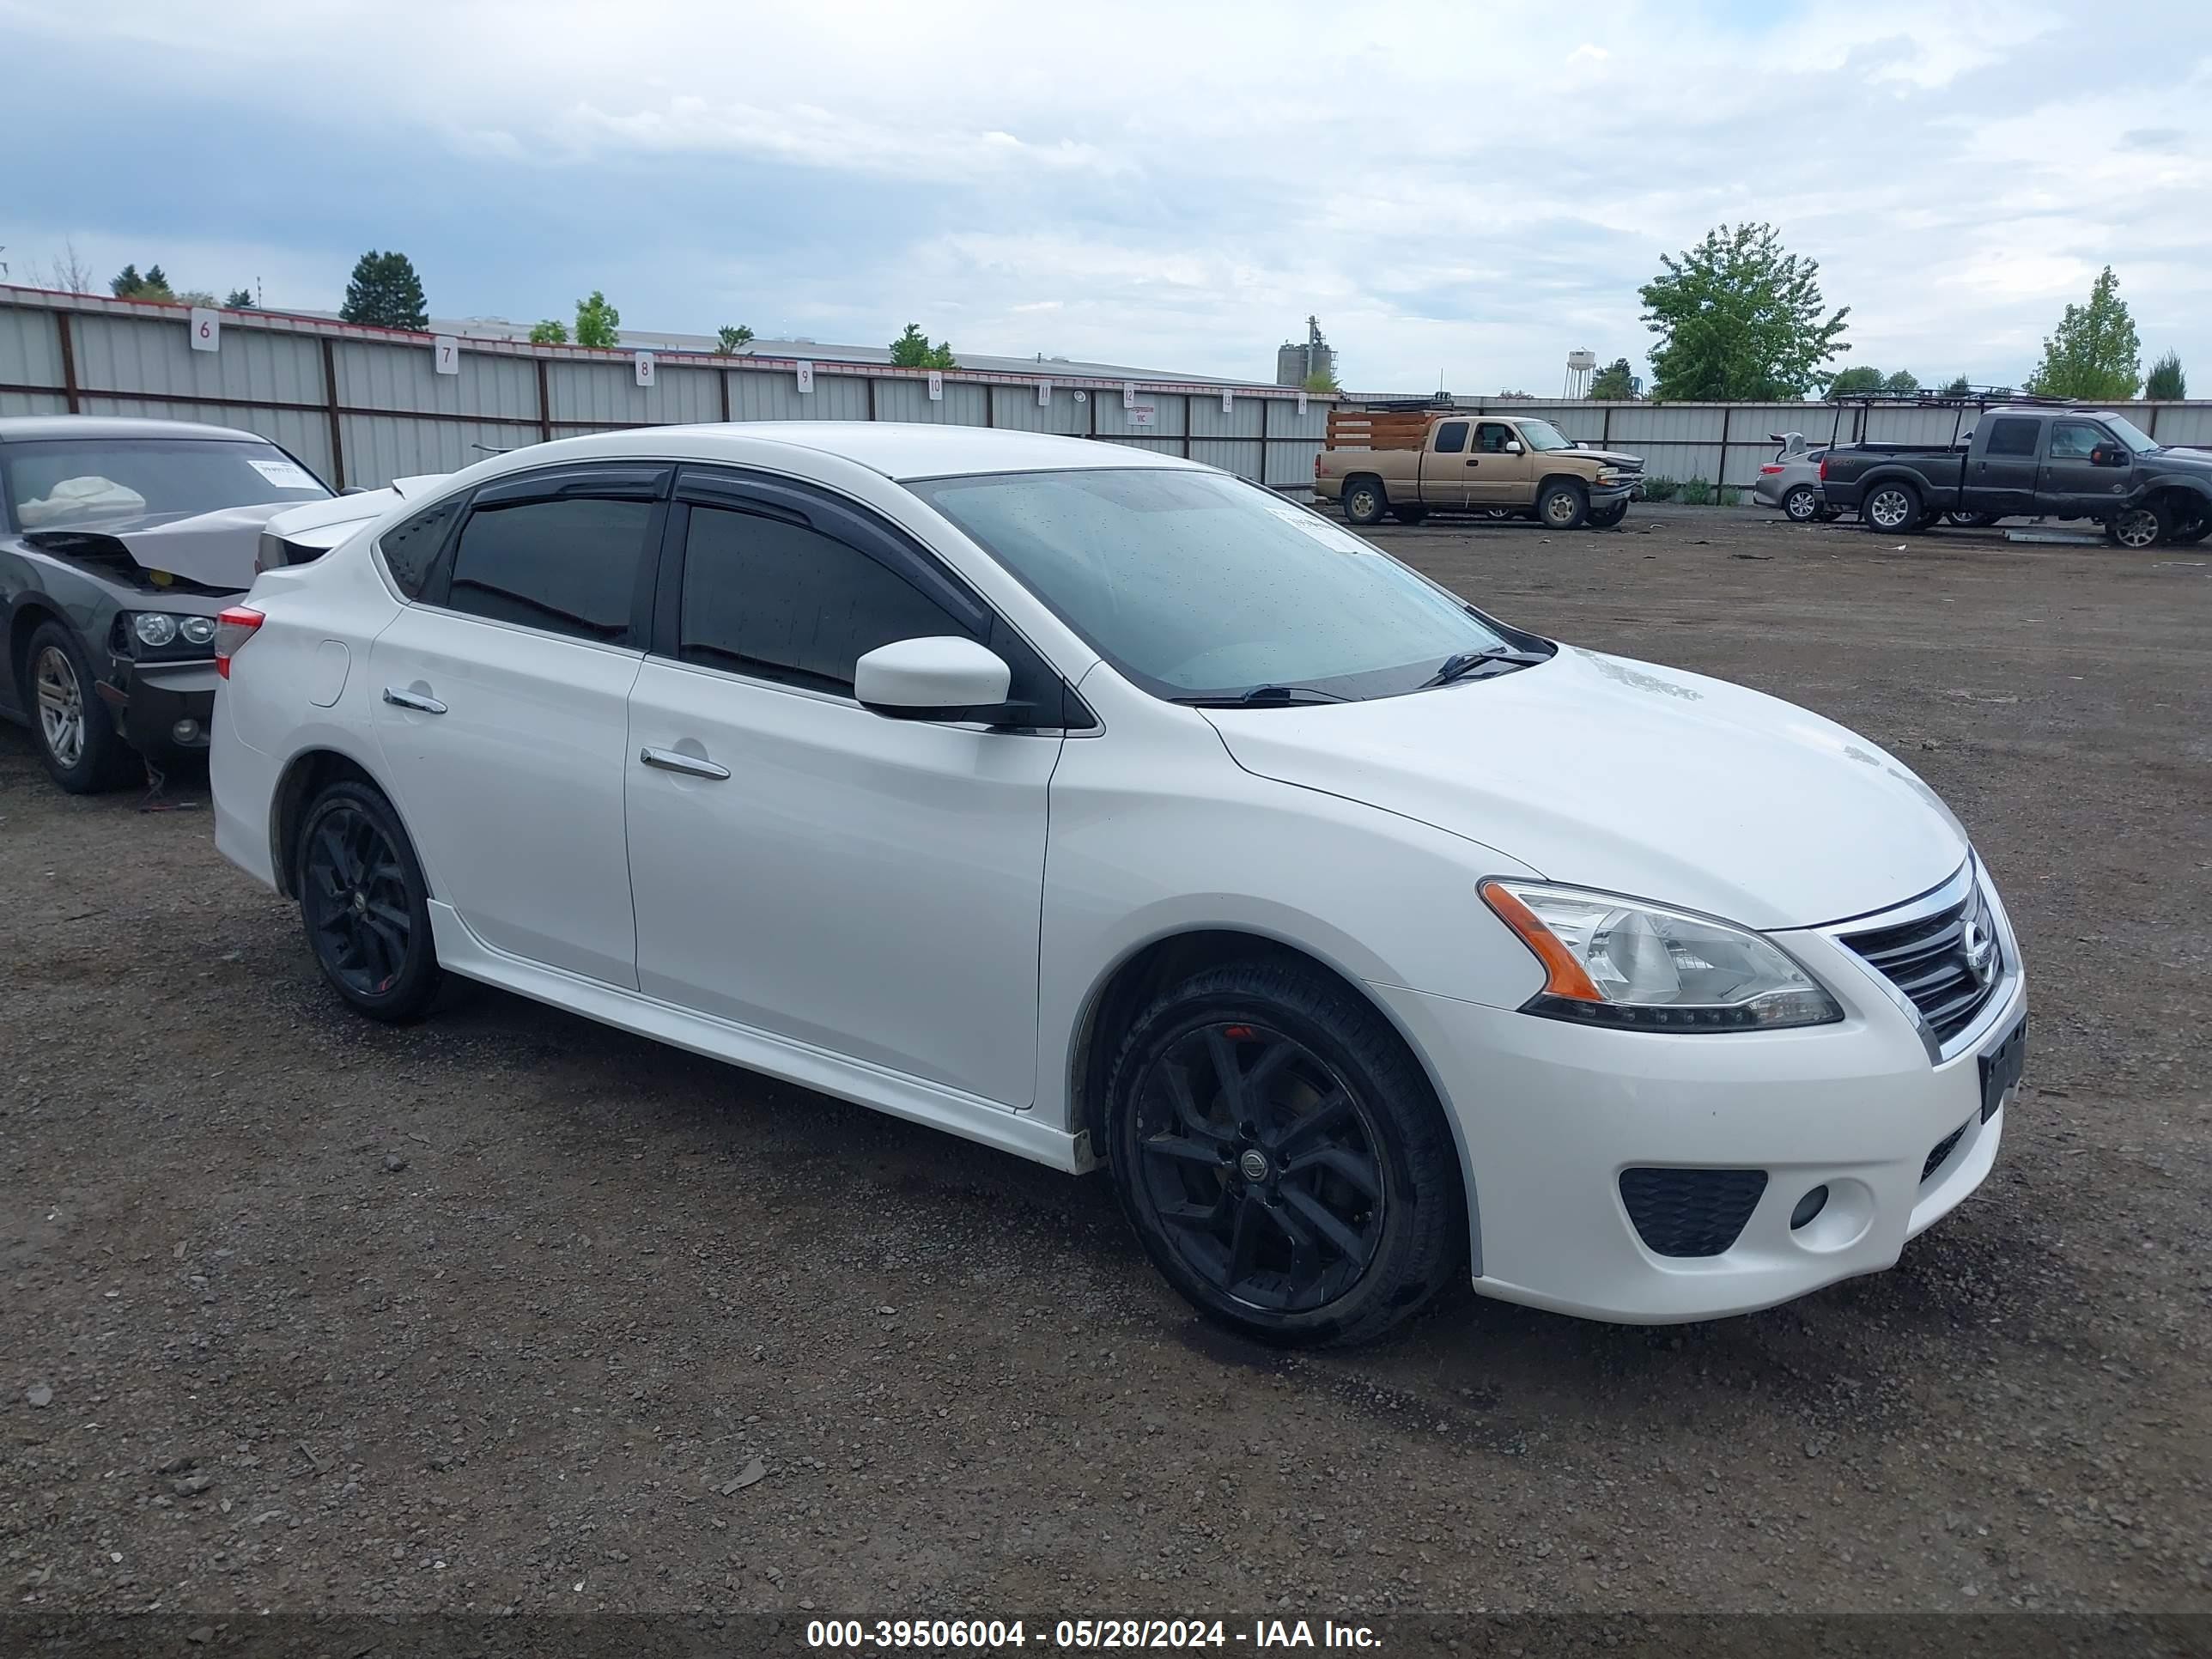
(1242, 420)
(1230, 455)
(768, 394)
(903, 399)
(33, 403)
(1016, 409)
(1114, 420)
(374, 374)
(608, 393)
(2175, 424)
(154, 355)
(382, 448)
(30, 347)
(306, 433)
(1291, 466)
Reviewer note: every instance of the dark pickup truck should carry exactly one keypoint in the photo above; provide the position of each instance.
(2031, 462)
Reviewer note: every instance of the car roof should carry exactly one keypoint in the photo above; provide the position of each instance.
(28, 429)
(897, 450)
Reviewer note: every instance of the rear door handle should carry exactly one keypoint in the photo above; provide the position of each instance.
(692, 766)
(414, 700)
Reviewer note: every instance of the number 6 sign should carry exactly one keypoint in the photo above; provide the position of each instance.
(207, 329)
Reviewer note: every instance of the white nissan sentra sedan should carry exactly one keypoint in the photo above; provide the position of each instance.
(1111, 810)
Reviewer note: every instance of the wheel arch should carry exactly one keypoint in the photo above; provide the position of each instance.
(1551, 478)
(1148, 969)
(304, 777)
(31, 611)
(1366, 474)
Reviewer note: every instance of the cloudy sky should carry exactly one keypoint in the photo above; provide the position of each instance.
(1463, 191)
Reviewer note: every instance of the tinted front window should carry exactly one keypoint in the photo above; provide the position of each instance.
(2070, 441)
(2012, 438)
(568, 567)
(1197, 585)
(89, 481)
(780, 601)
(410, 549)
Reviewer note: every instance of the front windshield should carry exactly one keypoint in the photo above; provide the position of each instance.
(2129, 435)
(1198, 585)
(1542, 434)
(76, 481)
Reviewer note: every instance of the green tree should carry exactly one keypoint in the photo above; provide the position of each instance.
(2093, 353)
(239, 300)
(551, 331)
(1738, 319)
(2167, 384)
(911, 349)
(128, 284)
(1958, 388)
(1903, 381)
(1321, 379)
(1856, 381)
(733, 337)
(598, 323)
(385, 292)
(1613, 384)
(196, 296)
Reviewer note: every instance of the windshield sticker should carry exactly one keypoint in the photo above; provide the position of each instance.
(284, 475)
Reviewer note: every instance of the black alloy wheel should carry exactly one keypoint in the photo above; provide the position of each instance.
(1283, 1157)
(364, 904)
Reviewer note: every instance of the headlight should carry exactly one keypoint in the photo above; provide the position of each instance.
(197, 630)
(1614, 961)
(154, 628)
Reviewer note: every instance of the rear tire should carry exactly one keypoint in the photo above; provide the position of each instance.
(1409, 515)
(1365, 501)
(2189, 531)
(1282, 1157)
(364, 904)
(1973, 520)
(1604, 518)
(1563, 506)
(77, 740)
(1802, 505)
(1891, 508)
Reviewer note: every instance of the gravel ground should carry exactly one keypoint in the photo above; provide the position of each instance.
(507, 1310)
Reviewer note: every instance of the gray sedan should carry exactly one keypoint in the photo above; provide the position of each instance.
(120, 542)
(1791, 480)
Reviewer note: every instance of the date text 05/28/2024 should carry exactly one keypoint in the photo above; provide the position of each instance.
(988, 1635)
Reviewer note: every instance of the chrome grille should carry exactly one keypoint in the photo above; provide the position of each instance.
(1947, 964)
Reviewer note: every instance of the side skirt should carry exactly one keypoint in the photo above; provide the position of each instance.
(460, 951)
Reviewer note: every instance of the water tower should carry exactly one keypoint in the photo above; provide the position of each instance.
(1580, 367)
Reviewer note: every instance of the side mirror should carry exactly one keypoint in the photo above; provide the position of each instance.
(943, 678)
(1513, 445)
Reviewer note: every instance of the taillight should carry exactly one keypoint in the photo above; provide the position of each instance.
(1769, 471)
(232, 629)
(1316, 463)
(1824, 469)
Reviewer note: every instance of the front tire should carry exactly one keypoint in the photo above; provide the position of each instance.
(77, 740)
(1364, 501)
(2187, 532)
(364, 904)
(2143, 526)
(1802, 505)
(1891, 508)
(1409, 515)
(1283, 1158)
(1604, 518)
(1563, 507)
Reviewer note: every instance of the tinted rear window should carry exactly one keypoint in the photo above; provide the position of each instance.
(2011, 437)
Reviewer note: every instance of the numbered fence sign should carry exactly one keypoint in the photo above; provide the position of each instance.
(1129, 394)
(644, 361)
(806, 377)
(1143, 414)
(1302, 403)
(207, 329)
(936, 387)
(446, 354)
(1044, 394)
(1226, 408)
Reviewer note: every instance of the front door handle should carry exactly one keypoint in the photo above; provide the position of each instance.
(675, 760)
(414, 700)
(1475, 463)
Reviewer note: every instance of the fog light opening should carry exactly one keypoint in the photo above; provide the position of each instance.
(1808, 1206)
(186, 732)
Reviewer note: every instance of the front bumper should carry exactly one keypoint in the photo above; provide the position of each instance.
(1549, 1116)
(151, 701)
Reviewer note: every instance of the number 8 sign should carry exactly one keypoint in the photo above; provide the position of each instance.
(206, 328)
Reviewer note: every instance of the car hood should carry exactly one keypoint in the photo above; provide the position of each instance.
(213, 551)
(1615, 458)
(1621, 775)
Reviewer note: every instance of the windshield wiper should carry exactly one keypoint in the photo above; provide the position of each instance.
(1460, 664)
(1273, 695)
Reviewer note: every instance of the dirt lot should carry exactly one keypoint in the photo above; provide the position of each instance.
(500, 1311)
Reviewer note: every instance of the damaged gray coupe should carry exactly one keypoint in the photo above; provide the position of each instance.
(120, 543)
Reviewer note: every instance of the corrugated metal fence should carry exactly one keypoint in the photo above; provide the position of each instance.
(366, 406)
(1724, 443)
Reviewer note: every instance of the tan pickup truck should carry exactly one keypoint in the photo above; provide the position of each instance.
(1406, 463)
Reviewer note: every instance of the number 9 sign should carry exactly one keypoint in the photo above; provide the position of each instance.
(206, 328)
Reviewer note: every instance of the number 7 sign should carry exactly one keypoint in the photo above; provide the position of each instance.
(446, 354)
